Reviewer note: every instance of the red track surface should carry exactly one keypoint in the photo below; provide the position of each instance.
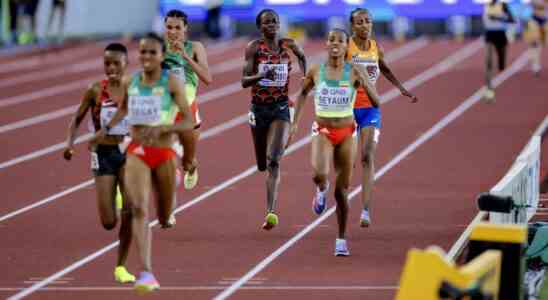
(427, 198)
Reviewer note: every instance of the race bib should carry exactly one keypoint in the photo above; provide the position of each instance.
(122, 128)
(372, 69)
(179, 72)
(94, 161)
(144, 110)
(280, 74)
(251, 119)
(334, 99)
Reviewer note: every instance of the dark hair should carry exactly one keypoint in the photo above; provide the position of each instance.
(357, 11)
(261, 13)
(153, 36)
(341, 31)
(117, 47)
(175, 13)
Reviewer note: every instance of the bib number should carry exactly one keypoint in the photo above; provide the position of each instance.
(94, 161)
(334, 99)
(144, 110)
(280, 75)
(122, 128)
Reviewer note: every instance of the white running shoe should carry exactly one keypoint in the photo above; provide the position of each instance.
(319, 201)
(190, 180)
(341, 249)
(365, 219)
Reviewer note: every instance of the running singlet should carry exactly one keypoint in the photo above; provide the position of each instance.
(180, 67)
(335, 98)
(370, 60)
(266, 90)
(103, 111)
(494, 10)
(151, 105)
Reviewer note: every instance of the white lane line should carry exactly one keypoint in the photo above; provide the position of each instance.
(210, 96)
(516, 66)
(208, 288)
(216, 189)
(68, 87)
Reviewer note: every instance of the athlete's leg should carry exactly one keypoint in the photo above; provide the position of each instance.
(501, 55)
(344, 155)
(125, 221)
(259, 136)
(368, 147)
(138, 185)
(320, 157)
(278, 134)
(490, 49)
(189, 140)
(164, 182)
(106, 191)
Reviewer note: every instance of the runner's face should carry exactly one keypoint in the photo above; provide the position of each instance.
(150, 54)
(115, 64)
(362, 25)
(336, 44)
(175, 29)
(269, 25)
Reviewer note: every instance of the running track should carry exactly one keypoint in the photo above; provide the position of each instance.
(430, 167)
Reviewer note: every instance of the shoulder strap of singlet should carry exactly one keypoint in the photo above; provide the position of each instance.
(346, 72)
(322, 72)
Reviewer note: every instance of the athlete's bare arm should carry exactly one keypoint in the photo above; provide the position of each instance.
(178, 93)
(85, 104)
(385, 70)
(198, 63)
(248, 78)
(308, 85)
(299, 53)
(359, 77)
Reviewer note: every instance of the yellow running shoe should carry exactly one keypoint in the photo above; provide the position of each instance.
(122, 275)
(191, 179)
(119, 202)
(271, 220)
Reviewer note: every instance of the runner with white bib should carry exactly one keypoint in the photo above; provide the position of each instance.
(334, 129)
(266, 70)
(154, 97)
(365, 52)
(107, 154)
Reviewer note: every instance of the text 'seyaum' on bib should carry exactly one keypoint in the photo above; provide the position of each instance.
(144, 110)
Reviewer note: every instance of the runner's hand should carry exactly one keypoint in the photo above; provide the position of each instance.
(406, 93)
(67, 154)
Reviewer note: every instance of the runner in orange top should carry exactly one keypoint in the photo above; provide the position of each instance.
(365, 52)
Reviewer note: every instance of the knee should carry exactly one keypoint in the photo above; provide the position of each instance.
(319, 178)
(341, 194)
(138, 211)
(367, 159)
(273, 164)
(109, 225)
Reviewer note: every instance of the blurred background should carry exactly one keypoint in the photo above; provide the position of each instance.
(49, 21)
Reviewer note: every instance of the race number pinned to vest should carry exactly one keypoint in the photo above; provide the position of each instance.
(280, 74)
(371, 68)
(334, 99)
(144, 110)
(94, 161)
(251, 118)
(122, 128)
(179, 72)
